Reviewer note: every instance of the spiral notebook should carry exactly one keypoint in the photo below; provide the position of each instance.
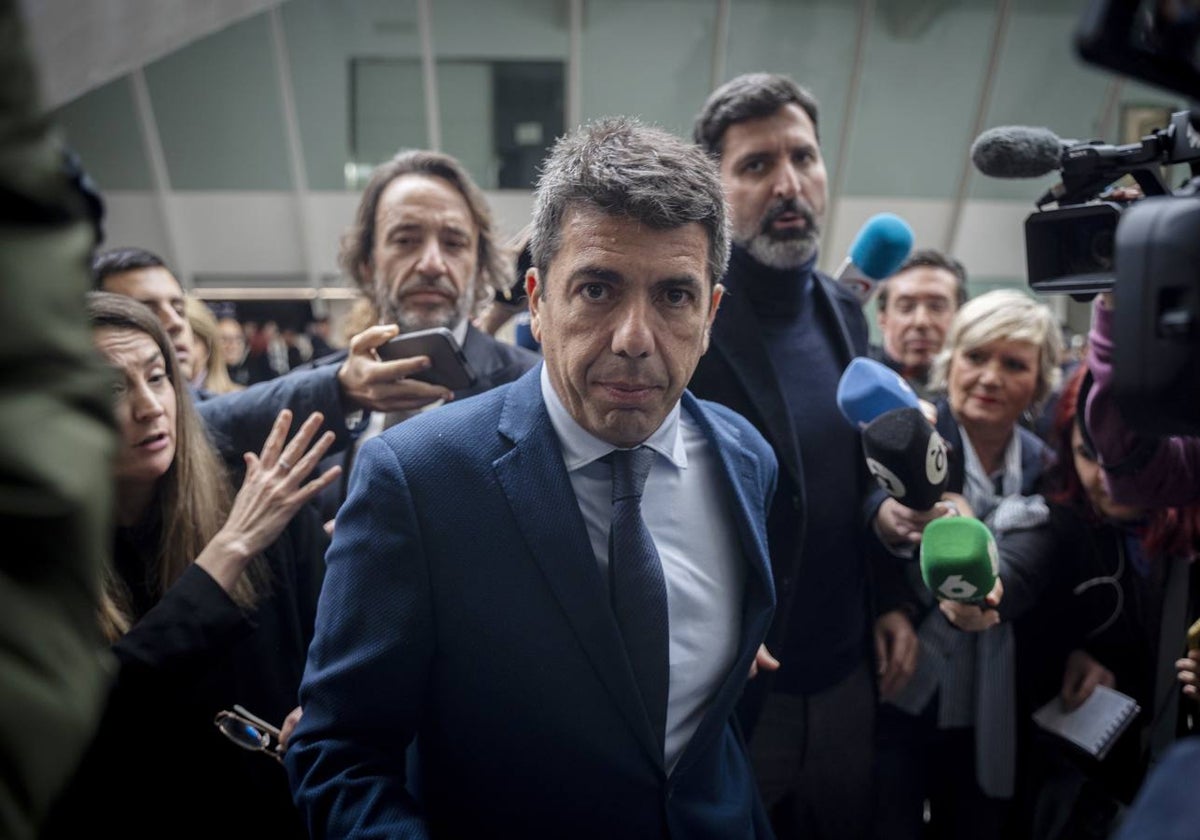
(1095, 725)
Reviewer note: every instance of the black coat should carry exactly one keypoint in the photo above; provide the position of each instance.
(158, 766)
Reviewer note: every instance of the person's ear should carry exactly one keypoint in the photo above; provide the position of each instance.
(533, 290)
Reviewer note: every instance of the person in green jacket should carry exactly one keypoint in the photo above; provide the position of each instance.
(57, 437)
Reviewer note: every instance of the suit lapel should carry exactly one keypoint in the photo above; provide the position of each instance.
(544, 506)
(749, 518)
(738, 338)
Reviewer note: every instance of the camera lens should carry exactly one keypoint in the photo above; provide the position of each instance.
(1101, 249)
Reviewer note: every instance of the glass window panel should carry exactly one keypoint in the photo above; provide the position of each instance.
(387, 110)
(219, 114)
(647, 58)
(919, 93)
(323, 40)
(102, 127)
(810, 41)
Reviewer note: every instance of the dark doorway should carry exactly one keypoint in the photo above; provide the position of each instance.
(528, 108)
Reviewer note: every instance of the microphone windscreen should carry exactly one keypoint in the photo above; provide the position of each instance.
(882, 244)
(1017, 151)
(959, 559)
(907, 457)
(868, 388)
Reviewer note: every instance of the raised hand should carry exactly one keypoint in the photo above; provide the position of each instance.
(273, 490)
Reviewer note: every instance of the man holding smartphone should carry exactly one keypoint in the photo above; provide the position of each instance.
(558, 588)
(424, 253)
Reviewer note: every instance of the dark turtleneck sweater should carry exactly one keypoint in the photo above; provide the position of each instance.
(827, 622)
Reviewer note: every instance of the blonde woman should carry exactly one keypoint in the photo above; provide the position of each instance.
(949, 736)
(210, 376)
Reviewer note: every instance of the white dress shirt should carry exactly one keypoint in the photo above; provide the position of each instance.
(686, 506)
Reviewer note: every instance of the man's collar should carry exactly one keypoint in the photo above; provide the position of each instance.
(580, 447)
(459, 330)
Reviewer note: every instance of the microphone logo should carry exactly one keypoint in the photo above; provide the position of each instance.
(957, 588)
(887, 479)
(935, 459)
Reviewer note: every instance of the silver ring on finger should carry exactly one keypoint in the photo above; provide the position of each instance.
(286, 466)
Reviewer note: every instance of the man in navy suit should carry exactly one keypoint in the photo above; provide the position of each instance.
(478, 593)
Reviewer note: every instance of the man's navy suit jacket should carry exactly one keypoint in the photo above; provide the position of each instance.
(463, 605)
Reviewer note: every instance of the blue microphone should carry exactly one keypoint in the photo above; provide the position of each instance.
(868, 389)
(883, 243)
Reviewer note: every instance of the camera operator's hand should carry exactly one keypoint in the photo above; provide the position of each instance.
(1132, 193)
(1188, 673)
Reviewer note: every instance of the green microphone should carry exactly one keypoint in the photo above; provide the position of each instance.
(959, 559)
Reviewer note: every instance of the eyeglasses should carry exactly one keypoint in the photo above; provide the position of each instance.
(249, 732)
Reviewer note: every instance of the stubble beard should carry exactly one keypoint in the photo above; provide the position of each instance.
(787, 248)
(391, 310)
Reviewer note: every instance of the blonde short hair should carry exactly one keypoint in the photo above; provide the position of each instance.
(1004, 315)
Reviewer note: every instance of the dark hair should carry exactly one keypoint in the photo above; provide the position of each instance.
(1170, 531)
(193, 497)
(120, 260)
(930, 258)
(358, 242)
(748, 97)
(623, 168)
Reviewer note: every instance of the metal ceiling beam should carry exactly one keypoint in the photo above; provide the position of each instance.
(160, 177)
(720, 46)
(866, 14)
(574, 63)
(982, 106)
(433, 113)
(294, 144)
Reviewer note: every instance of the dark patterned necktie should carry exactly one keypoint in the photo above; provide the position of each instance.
(638, 588)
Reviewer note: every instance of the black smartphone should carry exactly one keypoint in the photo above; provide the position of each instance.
(449, 366)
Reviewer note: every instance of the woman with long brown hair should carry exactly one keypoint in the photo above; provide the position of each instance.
(209, 602)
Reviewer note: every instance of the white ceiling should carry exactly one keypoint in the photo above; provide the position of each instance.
(82, 45)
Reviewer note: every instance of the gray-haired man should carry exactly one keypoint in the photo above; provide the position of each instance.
(558, 586)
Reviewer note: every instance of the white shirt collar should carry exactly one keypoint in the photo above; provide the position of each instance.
(580, 447)
(459, 331)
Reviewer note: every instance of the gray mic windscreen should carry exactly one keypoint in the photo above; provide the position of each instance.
(1017, 151)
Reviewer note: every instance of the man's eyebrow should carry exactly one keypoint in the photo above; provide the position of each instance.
(403, 225)
(749, 156)
(679, 280)
(597, 273)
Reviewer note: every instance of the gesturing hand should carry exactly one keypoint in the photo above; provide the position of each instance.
(270, 495)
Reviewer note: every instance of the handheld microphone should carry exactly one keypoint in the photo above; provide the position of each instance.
(868, 388)
(882, 244)
(907, 457)
(959, 559)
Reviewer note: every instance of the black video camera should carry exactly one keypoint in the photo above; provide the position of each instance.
(1071, 249)
(1145, 249)
(1157, 240)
